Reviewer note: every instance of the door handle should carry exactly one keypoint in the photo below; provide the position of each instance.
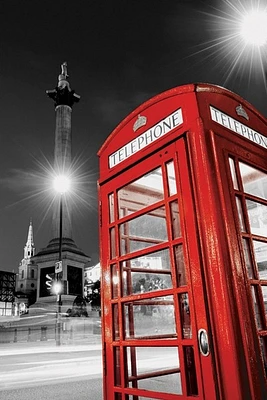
(203, 342)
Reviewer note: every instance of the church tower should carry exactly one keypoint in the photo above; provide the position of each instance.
(29, 249)
(73, 258)
(26, 282)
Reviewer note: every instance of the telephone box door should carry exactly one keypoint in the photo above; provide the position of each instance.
(243, 175)
(156, 334)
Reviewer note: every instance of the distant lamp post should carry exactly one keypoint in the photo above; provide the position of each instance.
(62, 186)
(253, 28)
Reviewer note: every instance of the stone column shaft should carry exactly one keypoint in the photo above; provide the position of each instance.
(62, 165)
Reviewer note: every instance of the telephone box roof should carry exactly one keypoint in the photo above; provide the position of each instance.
(192, 100)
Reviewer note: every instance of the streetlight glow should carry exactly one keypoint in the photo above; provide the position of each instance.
(57, 287)
(236, 40)
(254, 28)
(62, 184)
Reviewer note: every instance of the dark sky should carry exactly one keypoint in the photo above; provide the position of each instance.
(119, 54)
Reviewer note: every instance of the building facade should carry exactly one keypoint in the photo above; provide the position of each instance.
(91, 276)
(7, 293)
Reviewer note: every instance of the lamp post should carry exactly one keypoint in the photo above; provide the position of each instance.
(61, 185)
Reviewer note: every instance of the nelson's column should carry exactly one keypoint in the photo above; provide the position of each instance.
(73, 259)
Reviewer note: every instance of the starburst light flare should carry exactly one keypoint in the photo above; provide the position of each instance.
(235, 39)
(38, 197)
(254, 28)
(62, 184)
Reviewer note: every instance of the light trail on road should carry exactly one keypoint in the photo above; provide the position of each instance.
(27, 370)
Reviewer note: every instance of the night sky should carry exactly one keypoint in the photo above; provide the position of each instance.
(119, 54)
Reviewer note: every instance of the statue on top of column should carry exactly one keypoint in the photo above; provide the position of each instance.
(62, 94)
(64, 69)
(62, 78)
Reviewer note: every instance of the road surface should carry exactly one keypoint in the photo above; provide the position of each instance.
(79, 389)
(50, 372)
(47, 371)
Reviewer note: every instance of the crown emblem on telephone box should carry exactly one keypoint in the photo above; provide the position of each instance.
(141, 121)
(241, 112)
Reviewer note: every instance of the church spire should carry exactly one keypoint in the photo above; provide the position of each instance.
(29, 248)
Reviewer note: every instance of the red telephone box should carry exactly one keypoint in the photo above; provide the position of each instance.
(183, 230)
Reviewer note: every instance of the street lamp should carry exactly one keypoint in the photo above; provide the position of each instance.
(253, 27)
(253, 32)
(61, 185)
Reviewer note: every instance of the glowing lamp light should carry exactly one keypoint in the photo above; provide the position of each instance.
(62, 184)
(254, 28)
(57, 288)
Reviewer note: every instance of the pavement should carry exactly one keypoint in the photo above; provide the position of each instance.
(4, 319)
(48, 347)
(42, 370)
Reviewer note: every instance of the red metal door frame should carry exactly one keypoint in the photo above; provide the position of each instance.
(246, 335)
(197, 296)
